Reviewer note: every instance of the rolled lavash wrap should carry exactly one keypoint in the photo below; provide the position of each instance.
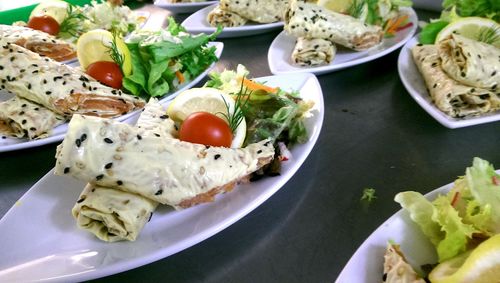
(112, 215)
(224, 18)
(22, 118)
(38, 42)
(309, 20)
(451, 97)
(181, 174)
(313, 52)
(115, 215)
(471, 62)
(260, 11)
(58, 87)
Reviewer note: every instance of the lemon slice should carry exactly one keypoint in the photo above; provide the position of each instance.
(339, 6)
(57, 9)
(94, 46)
(474, 28)
(482, 265)
(208, 100)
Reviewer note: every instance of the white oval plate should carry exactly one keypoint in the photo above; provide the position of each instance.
(415, 85)
(179, 8)
(197, 23)
(280, 52)
(11, 144)
(40, 240)
(366, 265)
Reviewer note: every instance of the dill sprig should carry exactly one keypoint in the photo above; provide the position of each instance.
(489, 35)
(356, 8)
(235, 117)
(72, 24)
(113, 51)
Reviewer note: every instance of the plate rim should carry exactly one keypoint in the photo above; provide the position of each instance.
(423, 99)
(337, 67)
(214, 229)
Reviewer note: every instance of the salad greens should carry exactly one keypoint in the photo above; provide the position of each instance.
(469, 211)
(161, 60)
(456, 9)
(368, 194)
(269, 112)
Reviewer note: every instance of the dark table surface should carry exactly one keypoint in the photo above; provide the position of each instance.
(374, 135)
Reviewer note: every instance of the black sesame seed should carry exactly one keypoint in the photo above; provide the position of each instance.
(494, 73)
(80, 200)
(150, 215)
(259, 151)
(48, 92)
(34, 72)
(21, 113)
(158, 135)
(44, 81)
(24, 121)
(164, 117)
(66, 170)
(33, 129)
(78, 142)
(24, 105)
(159, 192)
(29, 86)
(108, 166)
(217, 156)
(119, 183)
(99, 177)
(1, 68)
(108, 140)
(36, 109)
(83, 137)
(139, 137)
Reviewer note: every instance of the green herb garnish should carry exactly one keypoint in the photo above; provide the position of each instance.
(235, 117)
(368, 194)
(71, 26)
(489, 35)
(113, 51)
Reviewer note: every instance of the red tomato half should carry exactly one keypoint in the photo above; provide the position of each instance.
(206, 128)
(44, 23)
(108, 73)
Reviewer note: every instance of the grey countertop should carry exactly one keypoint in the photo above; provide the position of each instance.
(374, 135)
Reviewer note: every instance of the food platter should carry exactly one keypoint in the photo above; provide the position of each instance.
(179, 8)
(11, 144)
(415, 85)
(65, 253)
(279, 54)
(197, 23)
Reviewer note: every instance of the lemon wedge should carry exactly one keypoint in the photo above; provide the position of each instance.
(57, 9)
(209, 100)
(339, 6)
(94, 46)
(482, 265)
(476, 28)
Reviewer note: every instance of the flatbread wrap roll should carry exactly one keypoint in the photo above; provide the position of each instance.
(38, 42)
(181, 174)
(451, 97)
(260, 11)
(58, 87)
(225, 18)
(115, 215)
(309, 20)
(471, 62)
(112, 215)
(313, 52)
(22, 118)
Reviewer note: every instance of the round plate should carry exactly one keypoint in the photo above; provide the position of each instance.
(180, 8)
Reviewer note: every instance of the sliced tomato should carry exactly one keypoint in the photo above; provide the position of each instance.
(206, 128)
(44, 23)
(108, 73)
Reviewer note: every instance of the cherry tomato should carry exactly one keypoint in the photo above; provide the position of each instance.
(206, 128)
(44, 23)
(108, 73)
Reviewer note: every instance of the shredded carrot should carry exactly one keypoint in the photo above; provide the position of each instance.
(251, 85)
(393, 24)
(455, 199)
(180, 77)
